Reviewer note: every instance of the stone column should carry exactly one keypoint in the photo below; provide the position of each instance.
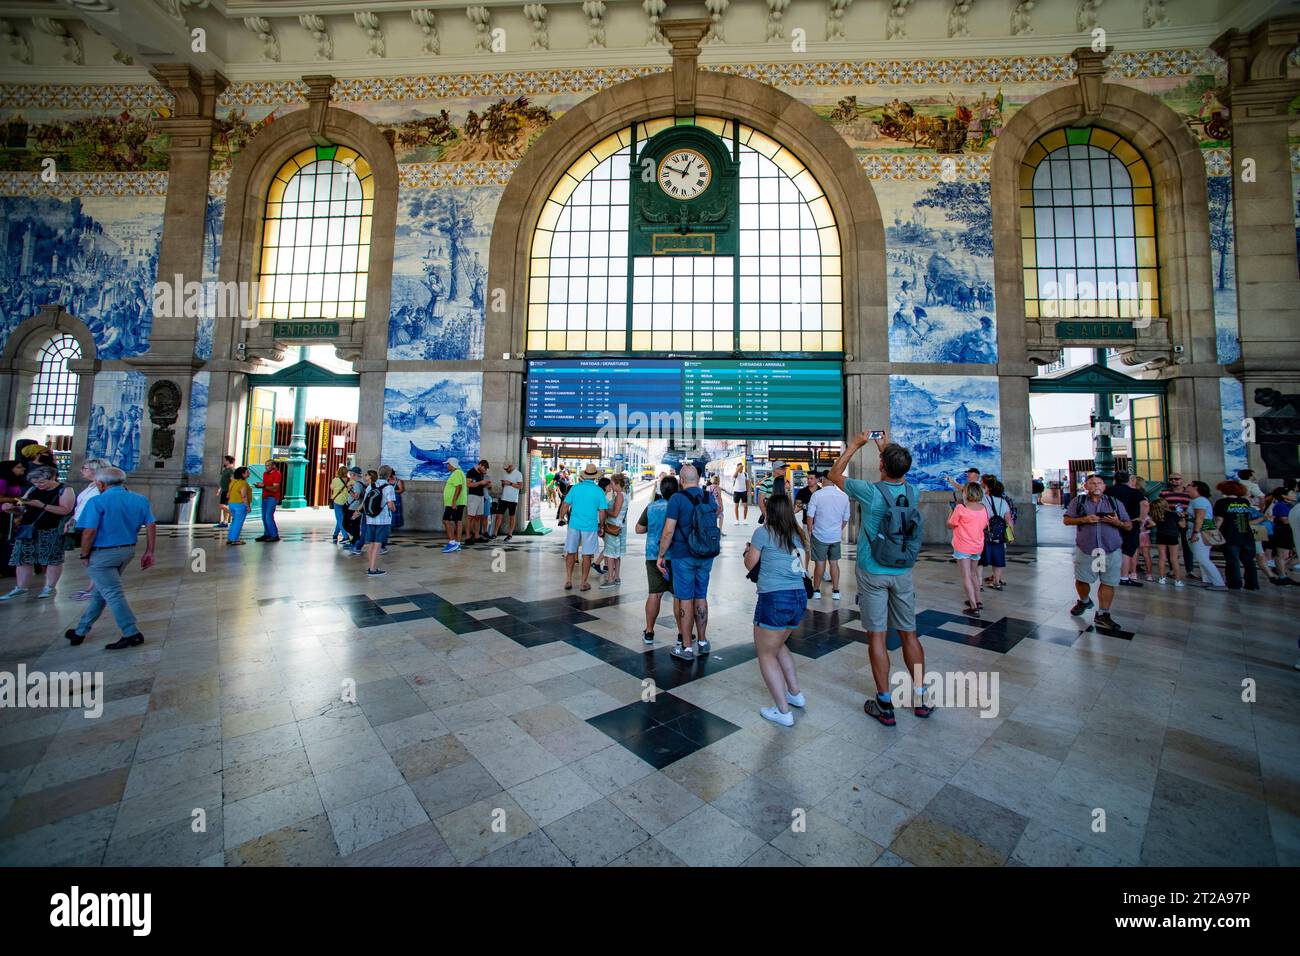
(180, 261)
(1268, 281)
(295, 485)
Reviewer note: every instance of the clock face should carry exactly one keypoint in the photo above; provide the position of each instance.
(684, 174)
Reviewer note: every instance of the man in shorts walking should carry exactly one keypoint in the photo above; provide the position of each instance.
(689, 576)
(453, 505)
(1100, 522)
(886, 595)
(827, 515)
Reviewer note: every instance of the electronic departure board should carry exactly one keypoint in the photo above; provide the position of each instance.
(742, 398)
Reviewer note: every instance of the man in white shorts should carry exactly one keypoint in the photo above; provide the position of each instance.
(511, 483)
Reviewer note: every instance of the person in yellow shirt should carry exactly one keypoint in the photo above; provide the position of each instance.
(339, 498)
(239, 498)
(453, 501)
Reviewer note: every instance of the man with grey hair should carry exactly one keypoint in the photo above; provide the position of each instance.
(110, 525)
(89, 468)
(689, 576)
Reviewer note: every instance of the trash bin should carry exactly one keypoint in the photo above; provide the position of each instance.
(187, 505)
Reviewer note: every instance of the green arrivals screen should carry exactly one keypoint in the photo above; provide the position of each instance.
(757, 397)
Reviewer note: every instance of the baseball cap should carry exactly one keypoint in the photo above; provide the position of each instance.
(778, 464)
(453, 462)
(354, 470)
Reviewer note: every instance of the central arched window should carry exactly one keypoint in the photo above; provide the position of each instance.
(781, 294)
(54, 389)
(1088, 228)
(316, 237)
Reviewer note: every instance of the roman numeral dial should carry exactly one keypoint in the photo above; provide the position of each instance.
(684, 174)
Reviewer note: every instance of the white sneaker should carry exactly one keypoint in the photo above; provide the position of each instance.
(1179, 584)
(776, 717)
(795, 700)
(1161, 581)
(16, 592)
(46, 592)
(835, 595)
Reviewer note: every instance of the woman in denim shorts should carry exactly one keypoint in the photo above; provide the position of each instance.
(776, 557)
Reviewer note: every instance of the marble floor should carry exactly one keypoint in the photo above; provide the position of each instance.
(286, 709)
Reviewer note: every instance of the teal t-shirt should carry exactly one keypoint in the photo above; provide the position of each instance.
(585, 499)
(874, 508)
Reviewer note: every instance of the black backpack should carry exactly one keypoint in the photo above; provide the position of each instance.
(898, 540)
(373, 503)
(996, 532)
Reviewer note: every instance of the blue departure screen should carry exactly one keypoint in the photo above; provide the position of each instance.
(570, 396)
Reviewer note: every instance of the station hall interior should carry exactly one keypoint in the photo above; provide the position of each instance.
(542, 246)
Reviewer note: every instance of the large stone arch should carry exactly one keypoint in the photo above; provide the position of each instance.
(19, 365)
(1183, 248)
(767, 109)
(250, 180)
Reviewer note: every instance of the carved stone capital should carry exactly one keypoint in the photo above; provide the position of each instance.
(319, 88)
(684, 37)
(1090, 72)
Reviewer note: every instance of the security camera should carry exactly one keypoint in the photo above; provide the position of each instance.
(1178, 350)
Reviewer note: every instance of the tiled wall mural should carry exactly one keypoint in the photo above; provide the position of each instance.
(939, 263)
(116, 413)
(1225, 268)
(440, 273)
(950, 422)
(198, 420)
(429, 418)
(95, 256)
(1232, 402)
(213, 222)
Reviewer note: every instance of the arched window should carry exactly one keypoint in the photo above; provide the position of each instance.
(54, 390)
(316, 237)
(1088, 228)
(781, 294)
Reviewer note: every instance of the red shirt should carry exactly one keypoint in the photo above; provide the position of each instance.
(271, 484)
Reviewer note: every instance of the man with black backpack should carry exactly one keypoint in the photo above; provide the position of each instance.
(889, 540)
(1100, 522)
(691, 539)
(377, 506)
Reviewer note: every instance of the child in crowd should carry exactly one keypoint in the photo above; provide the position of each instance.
(968, 521)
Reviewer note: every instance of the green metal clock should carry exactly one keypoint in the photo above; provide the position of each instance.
(684, 194)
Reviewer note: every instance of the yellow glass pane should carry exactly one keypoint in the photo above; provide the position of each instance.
(537, 316)
(549, 216)
(595, 341)
(563, 189)
(555, 340)
(830, 265)
(280, 310)
(1031, 308)
(1127, 309)
(1026, 176)
(1053, 140)
(1026, 222)
(745, 133)
(831, 289)
(367, 193)
(1125, 153)
(830, 241)
(1144, 221)
(790, 341)
(1034, 155)
(1139, 428)
(365, 230)
(607, 147)
(1146, 252)
(769, 341)
(788, 163)
(646, 130)
(362, 169)
(329, 310)
(832, 317)
(540, 267)
(682, 339)
(1149, 309)
(1026, 197)
(1050, 308)
(1141, 175)
(270, 256)
(271, 233)
(812, 342)
(536, 340)
(640, 341)
(714, 124)
(266, 287)
(306, 157)
(749, 341)
(361, 286)
(832, 342)
(807, 185)
(1148, 284)
(1028, 253)
(763, 144)
(276, 192)
(821, 212)
(1101, 138)
(537, 289)
(661, 341)
(1031, 284)
(723, 341)
(583, 165)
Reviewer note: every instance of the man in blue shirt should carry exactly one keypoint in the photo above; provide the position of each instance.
(585, 507)
(690, 575)
(109, 526)
(886, 595)
(652, 526)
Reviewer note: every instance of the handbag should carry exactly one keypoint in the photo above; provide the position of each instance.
(1212, 537)
(613, 530)
(1260, 532)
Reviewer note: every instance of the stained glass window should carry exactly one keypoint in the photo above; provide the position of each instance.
(782, 293)
(54, 390)
(316, 237)
(1088, 228)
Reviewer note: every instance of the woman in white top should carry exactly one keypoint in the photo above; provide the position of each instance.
(740, 490)
(616, 544)
(88, 469)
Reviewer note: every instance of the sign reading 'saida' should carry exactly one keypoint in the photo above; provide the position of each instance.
(1104, 331)
(305, 330)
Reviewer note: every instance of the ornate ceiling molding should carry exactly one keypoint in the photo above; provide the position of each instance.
(427, 21)
(373, 29)
(72, 50)
(261, 28)
(318, 30)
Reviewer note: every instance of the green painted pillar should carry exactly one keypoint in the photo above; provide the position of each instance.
(1103, 456)
(296, 479)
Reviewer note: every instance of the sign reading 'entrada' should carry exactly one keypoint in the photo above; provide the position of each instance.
(1106, 331)
(305, 330)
